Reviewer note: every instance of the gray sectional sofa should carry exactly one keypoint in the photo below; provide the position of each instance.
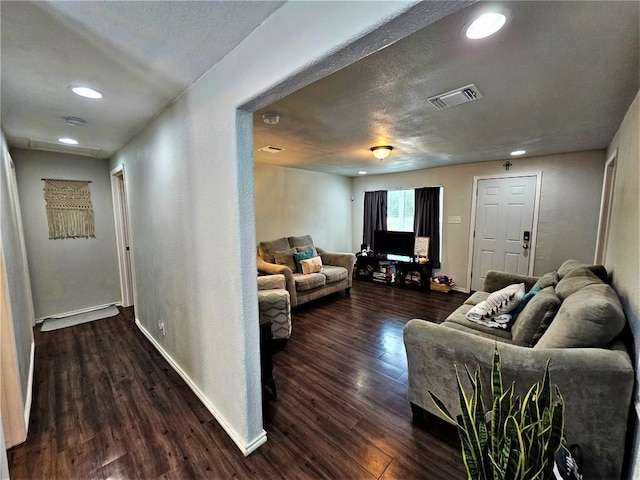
(575, 321)
(276, 257)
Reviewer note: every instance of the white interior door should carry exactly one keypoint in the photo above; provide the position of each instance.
(123, 235)
(504, 224)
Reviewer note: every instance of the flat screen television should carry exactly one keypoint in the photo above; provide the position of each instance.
(393, 243)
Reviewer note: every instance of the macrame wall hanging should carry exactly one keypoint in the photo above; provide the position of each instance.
(69, 209)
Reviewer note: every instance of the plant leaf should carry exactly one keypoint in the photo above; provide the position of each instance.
(496, 374)
(441, 406)
(471, 428)
(515, 458)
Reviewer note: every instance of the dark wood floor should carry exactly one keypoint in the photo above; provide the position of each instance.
(106, 404)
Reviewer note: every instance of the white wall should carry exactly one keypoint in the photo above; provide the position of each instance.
(67, 274)
(191, 194)
(292, 202)
(17, 288)
(569, 206)
(622, 259)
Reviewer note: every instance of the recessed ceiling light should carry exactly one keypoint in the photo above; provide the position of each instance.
(86, 92)
(362, 172)
(68, 141)
(518, 152)
(485, 25)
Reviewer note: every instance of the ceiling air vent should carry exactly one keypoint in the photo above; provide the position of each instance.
(271, 149)
(456, 97)
(61, 148)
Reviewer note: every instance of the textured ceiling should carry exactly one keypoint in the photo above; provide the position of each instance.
(558, 78)
(140, 54)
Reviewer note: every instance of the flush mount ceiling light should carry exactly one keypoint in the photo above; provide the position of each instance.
(271, 118)
(86, 92)
(515, 153)
(75, 121)
(485, 25)
(68, 141)
(381, 151)
(362, 172)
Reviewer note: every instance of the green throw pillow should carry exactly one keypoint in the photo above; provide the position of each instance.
(302, 256)
(523, 303)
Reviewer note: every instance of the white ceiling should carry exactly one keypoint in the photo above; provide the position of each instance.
(558, 78)
(140, 54)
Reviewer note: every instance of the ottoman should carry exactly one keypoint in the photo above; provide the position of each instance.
(274, 305)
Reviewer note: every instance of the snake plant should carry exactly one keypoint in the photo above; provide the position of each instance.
(518, 438)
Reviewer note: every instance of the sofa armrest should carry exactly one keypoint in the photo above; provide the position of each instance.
(596, 384)
(346, 260)
(272, 282)
(495, 280)
(274, 269)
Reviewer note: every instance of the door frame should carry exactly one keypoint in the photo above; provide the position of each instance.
(606, 203)
(472, 220)
(121, 217)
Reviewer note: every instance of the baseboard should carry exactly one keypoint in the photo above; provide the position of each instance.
(245, 448)
(461, 289)
(76, 312)
(29, 397)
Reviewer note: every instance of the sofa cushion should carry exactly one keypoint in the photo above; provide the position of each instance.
(575, 280)
(535, 317)
(459, 317)
(302, 255)
(569, 265)
(311, 265)
(591, 317)
(285, 257)
(505, 300)
(267, 249)
(476, 298)
(523, 303)
(334, 274)
(309, 281)
(474, 331)
(306, 248)
(300, 241)
(547, 280)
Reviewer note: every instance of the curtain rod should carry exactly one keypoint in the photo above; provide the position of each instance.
(406, 188)
(65, 180)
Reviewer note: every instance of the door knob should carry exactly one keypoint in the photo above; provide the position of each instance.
(525, 246)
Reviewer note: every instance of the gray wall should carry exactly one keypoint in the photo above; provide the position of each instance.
(569, 206)
(67, 274)
(17, 274)
(292, 202)
(192, 208)
(622, 259)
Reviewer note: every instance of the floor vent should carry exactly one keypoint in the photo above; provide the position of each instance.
(271, 149)
(455, 97)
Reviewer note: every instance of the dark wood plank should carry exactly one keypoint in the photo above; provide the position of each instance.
(107, 405)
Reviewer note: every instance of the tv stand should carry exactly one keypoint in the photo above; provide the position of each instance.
(398, 273)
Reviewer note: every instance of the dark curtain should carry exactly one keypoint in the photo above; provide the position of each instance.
(375, 214)
(426, 220)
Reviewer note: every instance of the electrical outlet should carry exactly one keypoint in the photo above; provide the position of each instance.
(161, 328)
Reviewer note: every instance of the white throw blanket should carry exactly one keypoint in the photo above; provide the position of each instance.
(476, 314)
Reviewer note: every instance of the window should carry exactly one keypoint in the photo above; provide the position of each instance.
(400, 205)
